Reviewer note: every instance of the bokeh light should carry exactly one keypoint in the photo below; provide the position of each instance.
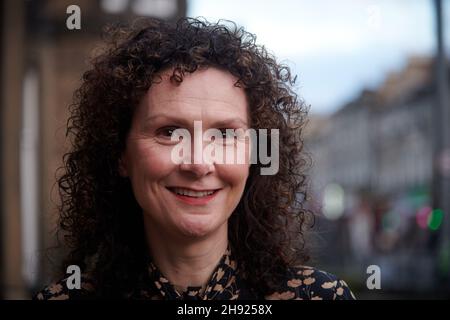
(435, 219)
(422, 217)
(333, 201)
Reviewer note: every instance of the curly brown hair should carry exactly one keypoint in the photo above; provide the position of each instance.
(100, 218)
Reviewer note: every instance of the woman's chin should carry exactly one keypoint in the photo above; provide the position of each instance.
(197, 227)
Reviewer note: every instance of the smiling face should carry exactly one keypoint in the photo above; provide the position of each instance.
(187, 199)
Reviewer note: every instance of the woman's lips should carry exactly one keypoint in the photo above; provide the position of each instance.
(195, 200)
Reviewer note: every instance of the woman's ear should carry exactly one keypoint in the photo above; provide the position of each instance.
(123, 172)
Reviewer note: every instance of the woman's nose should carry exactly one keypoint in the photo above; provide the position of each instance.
(197, 169)
(195, 161)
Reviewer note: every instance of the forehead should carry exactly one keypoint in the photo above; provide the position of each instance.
(206, 92)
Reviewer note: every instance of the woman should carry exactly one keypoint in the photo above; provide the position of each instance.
(141, 225)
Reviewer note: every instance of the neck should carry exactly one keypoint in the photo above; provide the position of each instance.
(189, 261)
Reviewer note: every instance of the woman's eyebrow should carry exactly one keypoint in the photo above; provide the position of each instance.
(149, 120)
(230, 122)
(184, 121)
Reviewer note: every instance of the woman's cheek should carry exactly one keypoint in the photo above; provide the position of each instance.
(234, 174)
(158, 160)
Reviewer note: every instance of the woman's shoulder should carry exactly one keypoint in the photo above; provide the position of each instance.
(309, 283)
(61, 290)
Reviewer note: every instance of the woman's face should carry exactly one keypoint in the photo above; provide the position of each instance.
(175, 197)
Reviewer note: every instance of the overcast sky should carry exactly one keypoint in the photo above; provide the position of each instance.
(337, 48)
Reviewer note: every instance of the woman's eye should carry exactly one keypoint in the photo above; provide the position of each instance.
(167, 132)
(227, 134)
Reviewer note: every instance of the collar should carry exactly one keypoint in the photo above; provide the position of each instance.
(220, 286)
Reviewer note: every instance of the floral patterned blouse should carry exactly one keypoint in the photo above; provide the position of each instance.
(301, 283)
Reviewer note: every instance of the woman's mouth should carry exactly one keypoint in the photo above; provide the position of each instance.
(193, 197)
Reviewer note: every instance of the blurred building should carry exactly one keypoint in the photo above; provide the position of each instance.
(402, 131)
(373, 173)
(42, 64)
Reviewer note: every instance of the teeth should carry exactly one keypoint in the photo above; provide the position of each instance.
(190, 193)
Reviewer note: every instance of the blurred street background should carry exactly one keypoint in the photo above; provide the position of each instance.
(375, 74)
